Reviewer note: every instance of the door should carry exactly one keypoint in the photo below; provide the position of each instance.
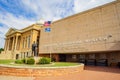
(62, 57)
(17, 56)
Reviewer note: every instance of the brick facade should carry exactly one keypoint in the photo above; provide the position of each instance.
(94, 33)
(38, 72)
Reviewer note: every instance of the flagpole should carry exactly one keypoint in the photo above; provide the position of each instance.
(48, 29)
(50, 45)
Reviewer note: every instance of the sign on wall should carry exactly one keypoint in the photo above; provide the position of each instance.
(47, 29)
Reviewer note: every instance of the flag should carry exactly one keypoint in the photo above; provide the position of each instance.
(47, 23)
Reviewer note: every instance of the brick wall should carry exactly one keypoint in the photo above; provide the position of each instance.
(37, 72)
(97, 29)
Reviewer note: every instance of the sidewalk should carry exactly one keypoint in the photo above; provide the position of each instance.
(15, 78)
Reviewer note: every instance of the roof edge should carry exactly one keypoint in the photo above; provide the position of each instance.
(87, 11)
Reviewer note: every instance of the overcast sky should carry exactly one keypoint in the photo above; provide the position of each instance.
(22, 13)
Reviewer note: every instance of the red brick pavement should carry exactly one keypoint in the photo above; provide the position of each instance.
(90, 73)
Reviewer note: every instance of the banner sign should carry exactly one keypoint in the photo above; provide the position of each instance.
(47, 29)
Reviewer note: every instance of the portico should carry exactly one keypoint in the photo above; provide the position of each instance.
(12, 43)
(18, 42)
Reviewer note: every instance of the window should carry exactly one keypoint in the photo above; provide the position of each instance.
(26, 42)
(27, 54)
(82, 56)
(74, 56)
(23, 43)
(91, 56)
(24, 54)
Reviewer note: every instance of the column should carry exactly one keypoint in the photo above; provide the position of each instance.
(16, 42)
(5, 44)
(31, 40)
(8, 42)
(13, 43)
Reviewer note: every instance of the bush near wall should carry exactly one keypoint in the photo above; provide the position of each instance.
(45, 60)
(18, 61)
(1, 49)
(30, 60)
(24, 60)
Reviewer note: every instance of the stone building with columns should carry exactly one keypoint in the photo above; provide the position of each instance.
(18, 43)
(91, 37)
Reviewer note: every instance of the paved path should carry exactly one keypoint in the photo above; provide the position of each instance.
(15, 78)
(90, 73)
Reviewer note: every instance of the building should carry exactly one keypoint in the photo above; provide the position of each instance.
(18, 42)
(92, 36)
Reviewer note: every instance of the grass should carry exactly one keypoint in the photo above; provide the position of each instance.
(6, 61)
(65, 64)
(54, 64)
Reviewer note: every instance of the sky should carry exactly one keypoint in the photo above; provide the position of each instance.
(22, 13)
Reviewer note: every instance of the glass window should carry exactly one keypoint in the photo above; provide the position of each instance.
(23, 42)
(74, 56)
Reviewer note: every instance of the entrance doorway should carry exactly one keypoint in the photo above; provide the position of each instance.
(17, 56)
(62, 57)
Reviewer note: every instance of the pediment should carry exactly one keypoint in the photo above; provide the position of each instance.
(10, 31)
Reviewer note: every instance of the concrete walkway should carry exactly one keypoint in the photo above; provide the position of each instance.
(90, 73)
(15, 78)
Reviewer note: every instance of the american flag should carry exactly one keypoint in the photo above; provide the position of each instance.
(47, 23)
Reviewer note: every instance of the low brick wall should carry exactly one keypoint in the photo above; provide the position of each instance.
(39, 71)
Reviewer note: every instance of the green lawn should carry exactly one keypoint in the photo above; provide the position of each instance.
(65, 64)
(6, 61)
(53, 64)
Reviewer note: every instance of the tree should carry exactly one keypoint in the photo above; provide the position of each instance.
(1, 49)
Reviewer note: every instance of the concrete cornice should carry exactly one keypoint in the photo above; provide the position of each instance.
(31, 27)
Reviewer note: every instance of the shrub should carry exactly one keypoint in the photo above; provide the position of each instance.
(44, 60)
(23, 60)
(30, 60)
(53, 59)
(19, 62)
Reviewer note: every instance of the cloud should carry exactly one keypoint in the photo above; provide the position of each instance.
(82, 5)
(9, 20)
(49, 9)
(13, 21)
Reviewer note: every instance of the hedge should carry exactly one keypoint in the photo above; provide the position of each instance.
(45, 60)
(19, 62)
(30, 60)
